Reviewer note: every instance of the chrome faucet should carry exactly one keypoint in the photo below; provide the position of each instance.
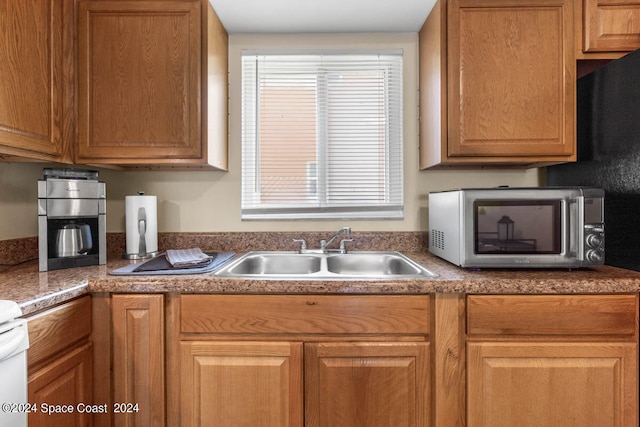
(303, 245)
(324, 243)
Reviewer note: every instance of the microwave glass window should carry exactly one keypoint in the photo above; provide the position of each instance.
(517, 227)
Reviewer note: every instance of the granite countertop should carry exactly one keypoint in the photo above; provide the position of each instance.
(35, 291)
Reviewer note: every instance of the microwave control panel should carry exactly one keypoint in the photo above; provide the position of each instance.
(594, 229)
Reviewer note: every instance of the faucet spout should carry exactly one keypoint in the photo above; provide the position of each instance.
(325, 243)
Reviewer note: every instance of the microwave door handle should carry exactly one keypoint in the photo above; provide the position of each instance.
(574, 225)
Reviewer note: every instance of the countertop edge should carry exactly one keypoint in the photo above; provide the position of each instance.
(36, 291)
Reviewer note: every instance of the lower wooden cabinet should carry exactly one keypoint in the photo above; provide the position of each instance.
(367, 384)
(347, 361)
(241, 384)
(346, 384)
(365, 360)
(551, 384)
(138, 360)
(64, 383)
(552, 360)
(60, 359)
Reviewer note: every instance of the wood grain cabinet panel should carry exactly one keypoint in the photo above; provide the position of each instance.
(58, 329)
(611, 25)
(586, 384)
(67, 382)
(60, 361)
(36, 79)
(138, 358)
(229, 384)
(305, 314)
(497, 83)
(312, 360)
(581, 315)
(367, 384)
(139, 80)
(552, 360)
(152, 84)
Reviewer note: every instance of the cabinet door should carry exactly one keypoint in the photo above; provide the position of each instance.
(65, 381)
(139, 81)
(552, 384)
(138, 358)
(366, 384)
(241, 384)
(611, 25)
(36, 111)
(511, 80)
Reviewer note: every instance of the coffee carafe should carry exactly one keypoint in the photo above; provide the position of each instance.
(74, 240)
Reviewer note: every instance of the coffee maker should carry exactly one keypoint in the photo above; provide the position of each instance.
(71, 219)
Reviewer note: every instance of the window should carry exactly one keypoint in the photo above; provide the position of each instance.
(321, 135)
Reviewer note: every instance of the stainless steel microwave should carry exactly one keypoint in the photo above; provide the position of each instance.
(505, 227)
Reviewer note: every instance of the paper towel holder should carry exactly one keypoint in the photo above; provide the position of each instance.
(142, 228)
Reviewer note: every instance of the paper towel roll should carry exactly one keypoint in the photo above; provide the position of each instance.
(141, 226)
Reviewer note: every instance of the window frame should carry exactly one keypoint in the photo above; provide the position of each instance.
(325, 209)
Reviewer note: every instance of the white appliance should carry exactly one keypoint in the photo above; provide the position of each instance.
(14, 342)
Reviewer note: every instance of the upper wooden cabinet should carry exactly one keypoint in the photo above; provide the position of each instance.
(152, 84)
(610, 26)
(36, 80)
(497, 83)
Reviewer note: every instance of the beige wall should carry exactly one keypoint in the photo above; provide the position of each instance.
(210, 201)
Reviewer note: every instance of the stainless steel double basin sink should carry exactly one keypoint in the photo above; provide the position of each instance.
(324, 266)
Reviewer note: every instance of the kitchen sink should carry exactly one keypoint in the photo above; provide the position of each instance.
(361, 265)
(377, 264)
(278, 263)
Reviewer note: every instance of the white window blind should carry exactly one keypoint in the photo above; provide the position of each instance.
(322, 135)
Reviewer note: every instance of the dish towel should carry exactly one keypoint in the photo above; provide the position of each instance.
(186, 258)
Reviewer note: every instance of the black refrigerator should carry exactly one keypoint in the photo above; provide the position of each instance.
(608, 137)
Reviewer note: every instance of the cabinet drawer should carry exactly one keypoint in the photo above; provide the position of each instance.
(304, 314)
(58, 328)
(552, 314)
